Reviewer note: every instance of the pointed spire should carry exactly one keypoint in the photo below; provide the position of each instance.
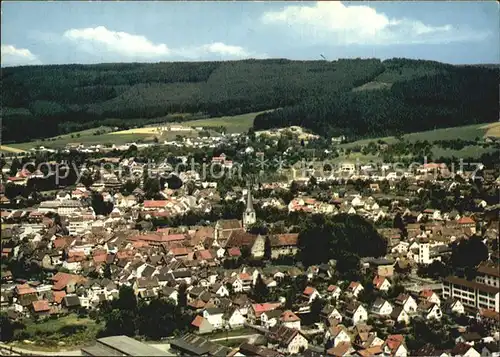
(249, 200)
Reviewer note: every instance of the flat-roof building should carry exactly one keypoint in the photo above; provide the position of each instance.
(121, 346)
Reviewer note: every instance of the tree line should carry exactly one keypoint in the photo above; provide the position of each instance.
(45, 101)
(437, 99)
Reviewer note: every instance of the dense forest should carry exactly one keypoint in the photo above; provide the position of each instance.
(44, 101)
(442, 96)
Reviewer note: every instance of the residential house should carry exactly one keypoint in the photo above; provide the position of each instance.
(394, 345)
(255, 310)
(407, 302)
(242, 282)
(400, 315)
(214, 316)
(40, 308)
(289, 319)
(381, 307)
(354, 288)
(219, 289)
(270, 318)
(491, 350)
(381, 283)
(233, 318)
(329, 312)
(452, 306)
(334, 292)
(335, 335)
(201, 325)
(287, 340)
(342, 349)
(464, 350)
(309, 294)
(430, 310)
(355, 312)
(284, 244)
(430, 296)
(471, 338)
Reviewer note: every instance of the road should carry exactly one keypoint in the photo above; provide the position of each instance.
(250, 338)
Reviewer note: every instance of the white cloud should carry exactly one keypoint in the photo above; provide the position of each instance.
(12, 56)
(336, 23)
(217, 49)
(100, 40)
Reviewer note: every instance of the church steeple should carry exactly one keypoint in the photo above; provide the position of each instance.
(249, 216)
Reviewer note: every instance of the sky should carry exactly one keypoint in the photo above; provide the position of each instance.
(60, 32)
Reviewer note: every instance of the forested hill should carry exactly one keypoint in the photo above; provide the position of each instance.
(42, 101)
(407, 97)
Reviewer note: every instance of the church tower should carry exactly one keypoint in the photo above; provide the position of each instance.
(249, 216)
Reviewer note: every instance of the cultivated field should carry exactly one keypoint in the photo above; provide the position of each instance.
(10, 149)
(468, 132)
(233, 124)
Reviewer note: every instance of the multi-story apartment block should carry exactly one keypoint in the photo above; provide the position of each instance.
(483, 293)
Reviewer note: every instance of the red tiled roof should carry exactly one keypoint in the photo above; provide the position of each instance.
(180, 251)
(62, 279)
(197, 321)
(244, 276)
(378, 281)
(234, 252)
(59, 296)
(394, 341)
(41, 306)
(155, 203)
(353, 285)
(466, 220)
(289, 316)
(290, 239)
(260, 308)
(309, 290)
(174, 237)
(24, 289)
(204, 254)
(426, 293)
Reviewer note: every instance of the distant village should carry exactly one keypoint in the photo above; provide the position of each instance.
(84, 257)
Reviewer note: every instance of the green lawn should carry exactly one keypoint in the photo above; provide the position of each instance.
(67, 332)
(237, 332)
(234, 124)
(468, 132)
(89, 139)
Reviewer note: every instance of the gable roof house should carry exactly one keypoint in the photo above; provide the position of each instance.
(355, 312)
(381, 307)
(381, 283)
(283, 244)
(354, 288)
(287, 340)
(394, 345)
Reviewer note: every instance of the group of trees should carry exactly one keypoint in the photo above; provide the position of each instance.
(154, 319)
(343, 237)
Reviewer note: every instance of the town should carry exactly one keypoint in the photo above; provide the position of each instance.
(254, 244)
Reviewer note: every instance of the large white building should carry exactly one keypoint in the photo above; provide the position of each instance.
(483, 293)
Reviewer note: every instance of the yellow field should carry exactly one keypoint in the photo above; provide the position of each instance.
(10, 149)
(493, 129)
(149, 130)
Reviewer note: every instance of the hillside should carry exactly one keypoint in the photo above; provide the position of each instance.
(415, 97)
(47, 101)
